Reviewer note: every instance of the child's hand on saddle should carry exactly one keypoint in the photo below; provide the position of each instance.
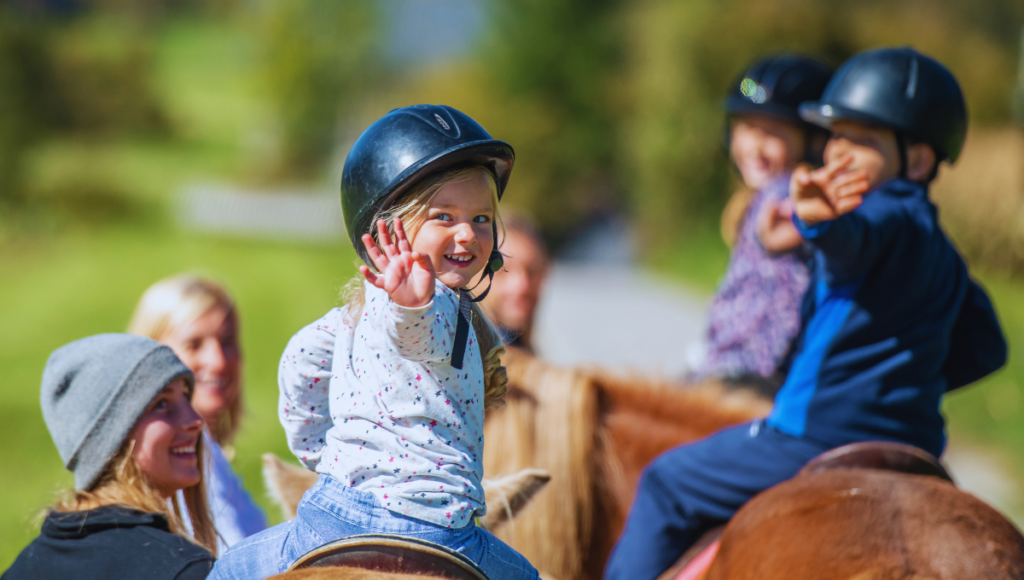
(407, 276)
(828, 192)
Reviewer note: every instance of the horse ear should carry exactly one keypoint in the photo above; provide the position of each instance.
(506, 496)
(286, 483)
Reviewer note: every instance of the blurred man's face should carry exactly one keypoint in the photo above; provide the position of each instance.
(516, 288)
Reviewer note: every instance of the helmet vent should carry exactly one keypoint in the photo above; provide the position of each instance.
(912, 78)
(441, 122)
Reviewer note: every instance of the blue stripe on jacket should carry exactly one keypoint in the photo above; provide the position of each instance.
(832, 306)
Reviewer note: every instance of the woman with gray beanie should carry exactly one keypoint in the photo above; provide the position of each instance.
(119, 410)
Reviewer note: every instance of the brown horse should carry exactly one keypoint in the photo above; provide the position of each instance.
(594, 433)
(868, 524)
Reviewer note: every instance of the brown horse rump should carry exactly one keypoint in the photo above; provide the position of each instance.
(867, 523)
(880, 455)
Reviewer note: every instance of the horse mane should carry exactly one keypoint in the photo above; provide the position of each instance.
(549, 419)
(594, 432)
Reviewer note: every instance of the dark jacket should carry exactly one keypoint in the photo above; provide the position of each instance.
(109, 542)
(892, 321)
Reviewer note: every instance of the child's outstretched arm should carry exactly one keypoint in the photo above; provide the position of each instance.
(417, 329)
(977, 347)
(824, 201)
(304, 379)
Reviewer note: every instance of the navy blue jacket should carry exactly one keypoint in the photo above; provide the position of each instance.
(109, 542)
(892, 321)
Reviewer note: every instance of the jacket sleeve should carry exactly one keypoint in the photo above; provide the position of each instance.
(853, 242)
(977, 347)
(304, 378)
(423, 334)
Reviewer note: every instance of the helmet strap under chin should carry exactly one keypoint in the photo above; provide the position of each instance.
(466, 300)
(901, 146)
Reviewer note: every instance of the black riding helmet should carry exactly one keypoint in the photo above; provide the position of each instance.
(404, 146)
(399, 150)
(775, 86)
(899, 88)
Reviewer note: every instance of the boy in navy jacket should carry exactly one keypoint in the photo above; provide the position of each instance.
(891, 322)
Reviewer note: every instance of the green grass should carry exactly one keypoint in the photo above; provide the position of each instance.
(87, 282)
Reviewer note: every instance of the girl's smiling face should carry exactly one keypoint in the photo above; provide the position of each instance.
(456, 232)
(764, 148)
(166, 438)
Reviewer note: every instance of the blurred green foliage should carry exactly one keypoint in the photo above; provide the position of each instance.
(87, 77)
(631, 90)
(1019, 93)
(554, 65)
(320, 58)
(611, 104)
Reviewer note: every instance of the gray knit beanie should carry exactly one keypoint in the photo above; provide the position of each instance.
(95, 389)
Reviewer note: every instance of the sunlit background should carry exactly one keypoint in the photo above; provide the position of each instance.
(139, 139)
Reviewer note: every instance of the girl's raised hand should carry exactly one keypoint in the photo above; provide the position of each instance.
(828, 192)
(407, 276)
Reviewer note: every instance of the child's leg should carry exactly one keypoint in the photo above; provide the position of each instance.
(258, 556)
(690, 489)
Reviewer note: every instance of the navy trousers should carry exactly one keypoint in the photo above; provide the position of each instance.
(691, 489)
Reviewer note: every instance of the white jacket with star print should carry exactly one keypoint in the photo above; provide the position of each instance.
(377, 404)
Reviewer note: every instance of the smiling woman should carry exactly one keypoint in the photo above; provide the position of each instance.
(118, 409)
(198, 320)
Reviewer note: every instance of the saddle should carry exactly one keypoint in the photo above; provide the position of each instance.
(884, 455)
(392, 554)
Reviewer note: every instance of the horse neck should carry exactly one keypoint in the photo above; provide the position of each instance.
(641, 419)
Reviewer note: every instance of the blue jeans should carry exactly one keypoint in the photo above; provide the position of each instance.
(690, 489)
(331, 511)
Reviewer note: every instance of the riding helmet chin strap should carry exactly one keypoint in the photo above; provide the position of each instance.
(901, 145)
(466, 300)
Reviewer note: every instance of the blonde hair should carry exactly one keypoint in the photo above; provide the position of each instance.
(412, 209)
(735, 213)
(123, 483)
(178, 301)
